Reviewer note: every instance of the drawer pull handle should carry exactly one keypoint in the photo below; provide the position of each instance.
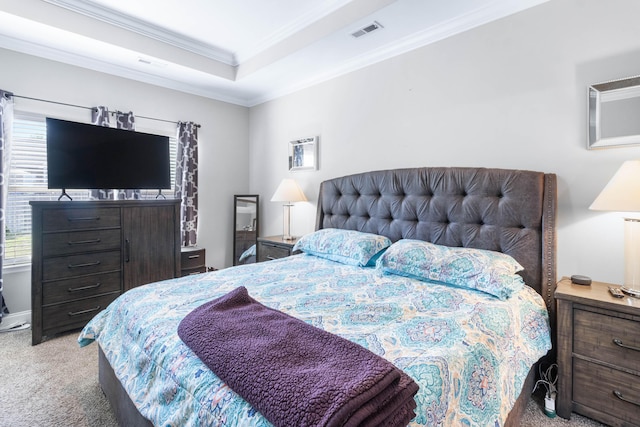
(87, 264)
(82, 242)
(88, 218)
(84, 288)
(619, 343)
(194, 256)
(78, 313)
(619, 395)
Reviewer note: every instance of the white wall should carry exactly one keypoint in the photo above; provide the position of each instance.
(509, 94)
(223, 140)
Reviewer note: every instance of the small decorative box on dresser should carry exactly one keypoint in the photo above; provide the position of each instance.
(274, 247)
(598, 354)
(193, 261)
(85, 254)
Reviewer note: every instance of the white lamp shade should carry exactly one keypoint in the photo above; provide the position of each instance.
(622, 193)
(288, 191)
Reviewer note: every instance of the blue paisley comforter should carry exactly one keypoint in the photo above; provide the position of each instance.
(469, 353)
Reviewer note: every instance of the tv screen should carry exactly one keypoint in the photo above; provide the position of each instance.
(85, 156)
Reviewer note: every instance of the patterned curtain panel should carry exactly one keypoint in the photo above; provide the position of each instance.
(127, 121)
(186, 187)
(6, 117)
(100, 117)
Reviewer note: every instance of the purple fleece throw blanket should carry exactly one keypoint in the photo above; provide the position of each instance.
(293, 373)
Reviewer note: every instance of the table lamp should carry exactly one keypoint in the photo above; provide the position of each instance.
(288, 191)
(622, 194)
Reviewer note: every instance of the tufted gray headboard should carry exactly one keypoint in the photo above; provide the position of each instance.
(510, 211)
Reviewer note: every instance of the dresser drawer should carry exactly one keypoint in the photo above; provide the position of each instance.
(80, 265)
(80, 241)
(606, 338)
(267, 252)
(595, 386)
(80, 219)
(192, 258)
(74, 314)
(80, 287)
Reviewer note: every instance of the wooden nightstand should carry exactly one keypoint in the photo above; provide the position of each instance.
(192, 261)
(274, 247)
(598, 354)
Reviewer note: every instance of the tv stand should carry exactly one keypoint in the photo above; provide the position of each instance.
(64, 194)
(160, 195)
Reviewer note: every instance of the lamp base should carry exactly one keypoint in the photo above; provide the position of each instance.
(631, 292)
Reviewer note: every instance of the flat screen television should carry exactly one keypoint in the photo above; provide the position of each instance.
(85, 156)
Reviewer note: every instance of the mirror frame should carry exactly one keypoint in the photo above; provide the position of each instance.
(256, 220)
(303, 154)
(620, 89)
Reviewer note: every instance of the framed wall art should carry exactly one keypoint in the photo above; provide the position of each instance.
(303, 154)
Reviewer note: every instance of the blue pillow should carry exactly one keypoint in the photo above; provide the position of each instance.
(345, 246)
(487, 271)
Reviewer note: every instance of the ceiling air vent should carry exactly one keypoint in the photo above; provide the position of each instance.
(368, 29)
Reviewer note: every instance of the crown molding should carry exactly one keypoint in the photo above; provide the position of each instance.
(143, 28)
(324, 9)
(235, 94)
(81, 61)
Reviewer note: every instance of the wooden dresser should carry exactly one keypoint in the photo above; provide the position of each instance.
(85, 254)
(274, 247)
(598, 354)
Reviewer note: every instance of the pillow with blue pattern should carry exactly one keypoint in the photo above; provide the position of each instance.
(345, 246)
(487, 271)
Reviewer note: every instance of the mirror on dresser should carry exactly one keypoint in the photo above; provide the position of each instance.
(245, 230)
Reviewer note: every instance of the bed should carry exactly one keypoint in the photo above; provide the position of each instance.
(473, 354)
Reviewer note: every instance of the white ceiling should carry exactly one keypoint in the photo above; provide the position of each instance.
(239, 51)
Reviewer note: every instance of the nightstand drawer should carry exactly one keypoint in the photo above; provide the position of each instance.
(269, 252)
(192, 261)
(607, 338)
(595, 386)
(190, 271)
(192, 258)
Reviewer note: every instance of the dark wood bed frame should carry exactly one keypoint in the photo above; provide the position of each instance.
(510, 211)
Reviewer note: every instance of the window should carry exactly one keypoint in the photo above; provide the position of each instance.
(28, 181)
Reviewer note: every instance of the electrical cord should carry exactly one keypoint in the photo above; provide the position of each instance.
(548, 379)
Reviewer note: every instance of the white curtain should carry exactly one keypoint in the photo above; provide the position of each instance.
(6, 120)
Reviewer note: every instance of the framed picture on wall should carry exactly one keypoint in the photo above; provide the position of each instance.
(303, 154)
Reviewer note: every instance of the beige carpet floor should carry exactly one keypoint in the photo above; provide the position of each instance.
(56, 384)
